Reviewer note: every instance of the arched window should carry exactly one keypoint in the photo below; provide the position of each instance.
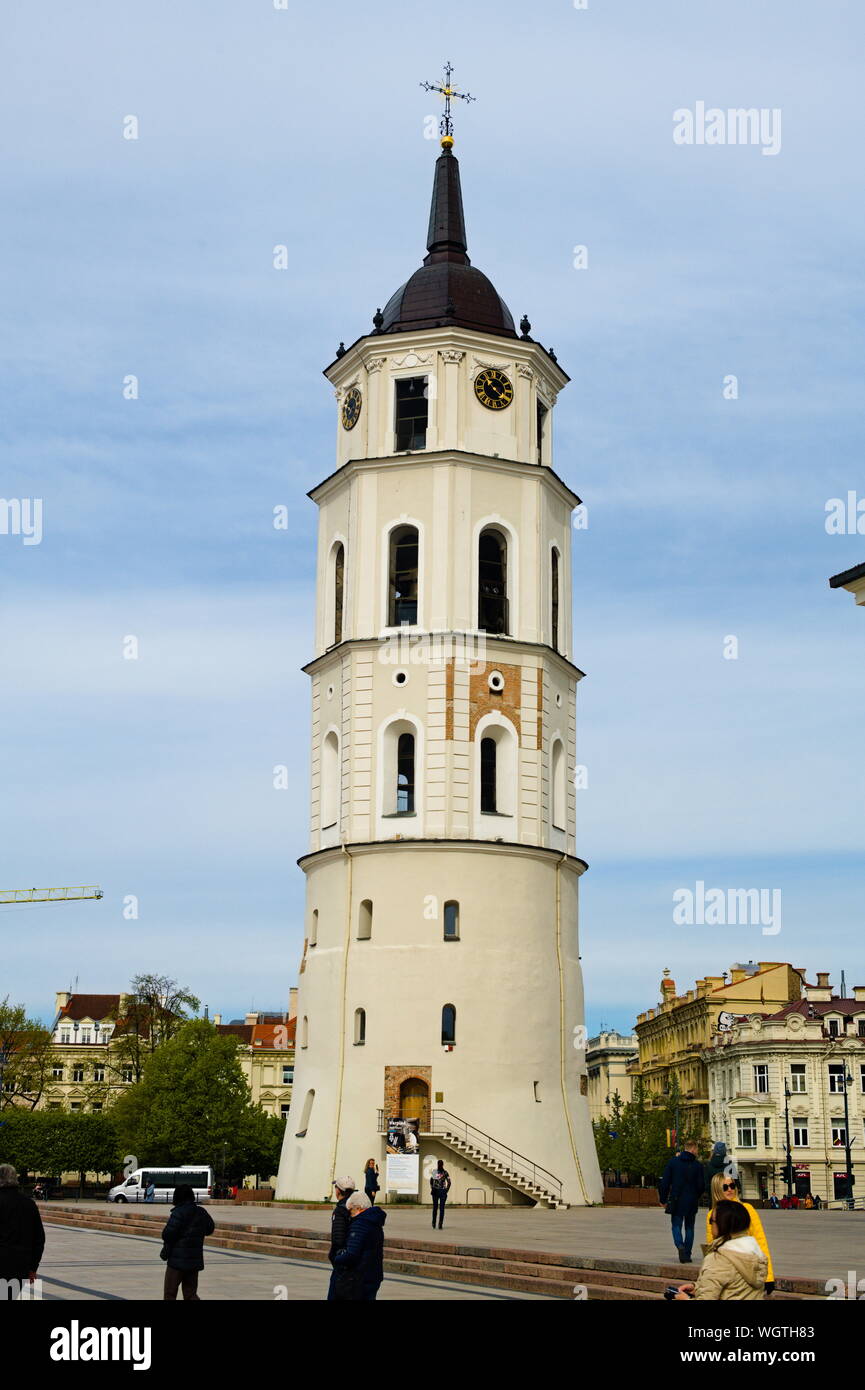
(306, 1115)
(403, 576)
(489, 759)
(492, 581)
(338, 586)
(554, 598)
(449, 1024)
(558, 786)
(364, 920)
(304, 1031)
(452, 921)
(330, 781)
(405, 775)
(359, 1027)
(313, 928)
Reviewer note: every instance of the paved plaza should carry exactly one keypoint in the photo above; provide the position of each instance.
(817, 1244)
(82, 1265)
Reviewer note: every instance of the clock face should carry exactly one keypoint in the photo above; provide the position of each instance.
(493, 389)
(351, 408)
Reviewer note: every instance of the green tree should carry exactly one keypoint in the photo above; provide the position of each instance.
(193, 1104)
(52, 1142)
(29, 1053)
(153, 1012)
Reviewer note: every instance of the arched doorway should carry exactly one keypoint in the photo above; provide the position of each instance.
(414, 1102)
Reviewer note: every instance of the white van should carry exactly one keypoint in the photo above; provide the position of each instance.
(132, 1189)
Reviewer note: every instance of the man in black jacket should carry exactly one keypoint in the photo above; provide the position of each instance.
(340, 1223)
(183, 1244)
(680, 1189)
(22, 1236)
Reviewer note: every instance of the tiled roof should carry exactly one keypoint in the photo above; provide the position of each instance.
(236, 1030)
(274, 1034)
(817, 1008)
(95, 1006)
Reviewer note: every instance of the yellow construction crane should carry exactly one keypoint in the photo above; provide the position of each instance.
(49, 895)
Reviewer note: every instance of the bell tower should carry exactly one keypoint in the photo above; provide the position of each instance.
(440, 978)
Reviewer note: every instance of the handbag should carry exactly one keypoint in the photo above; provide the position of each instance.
(164, 1253)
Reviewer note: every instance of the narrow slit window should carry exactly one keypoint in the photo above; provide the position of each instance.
(449, 1025)
(554, 598)
(338, 586)
(488, 776)
(542, 429)
(364, 920)
(359, 1027)
(405, 775)
(452, 921)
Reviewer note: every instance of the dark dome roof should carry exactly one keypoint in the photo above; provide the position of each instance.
(440, 296)
(447, 290)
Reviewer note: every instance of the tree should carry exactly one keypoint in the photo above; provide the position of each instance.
(52, 1142)
(153, 1012)
(193, 1104)
(29, 1052)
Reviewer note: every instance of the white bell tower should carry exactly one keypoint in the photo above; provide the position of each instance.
(441, 979)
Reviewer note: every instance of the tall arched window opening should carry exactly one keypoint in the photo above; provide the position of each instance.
(403, 577)
(554, 598)
(338, 587)
(492, 582)
(489, 760)
(405, 775)
(449, 1024)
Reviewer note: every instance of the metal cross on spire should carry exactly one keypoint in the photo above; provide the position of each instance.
(447, 90)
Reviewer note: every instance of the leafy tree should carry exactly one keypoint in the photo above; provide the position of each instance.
(154, 1011)
(193, 1105)
(55, 1141)
(29, 1052)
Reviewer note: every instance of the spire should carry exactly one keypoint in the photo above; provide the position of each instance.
(446, 237)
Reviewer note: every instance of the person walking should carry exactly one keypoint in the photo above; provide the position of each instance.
(359, 1267)
(735, 1267)
(340, 1222)
(440, 1186)
(370, 1179)
(183, 1245)
(724, 1190)
(817, 1202)
(22, 1235)
(680, 1189)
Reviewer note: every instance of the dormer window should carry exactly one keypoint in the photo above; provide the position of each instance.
(834, 1027)
(411, 413)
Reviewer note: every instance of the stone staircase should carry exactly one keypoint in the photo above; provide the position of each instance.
(475, 1153)
(545, 1274)
(512, 1169)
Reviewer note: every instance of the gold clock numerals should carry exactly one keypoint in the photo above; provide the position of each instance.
(351, 408)
(493, 389)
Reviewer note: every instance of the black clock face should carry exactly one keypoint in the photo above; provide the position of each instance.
(351, 408)
(493, 389)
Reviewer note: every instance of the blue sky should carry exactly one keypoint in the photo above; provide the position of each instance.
(706, 516)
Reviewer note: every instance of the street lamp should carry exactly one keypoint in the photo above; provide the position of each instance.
(789, 1165)
(848, 1081)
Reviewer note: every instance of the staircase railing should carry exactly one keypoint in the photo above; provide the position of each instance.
(443, 1123)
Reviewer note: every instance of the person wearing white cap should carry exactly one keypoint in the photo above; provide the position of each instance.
(340, 1222)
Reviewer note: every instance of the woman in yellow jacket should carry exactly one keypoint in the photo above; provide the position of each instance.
(724, 1190)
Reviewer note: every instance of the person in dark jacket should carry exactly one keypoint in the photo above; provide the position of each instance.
(183, 1244)
(681, 1188)
(359, 1268)
(22, 1236)
(340, 1222)
(440, 1186)
(370, 1179)
(718, 1163)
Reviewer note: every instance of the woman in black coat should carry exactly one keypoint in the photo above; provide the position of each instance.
(183, 1244)
(359, 1268)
